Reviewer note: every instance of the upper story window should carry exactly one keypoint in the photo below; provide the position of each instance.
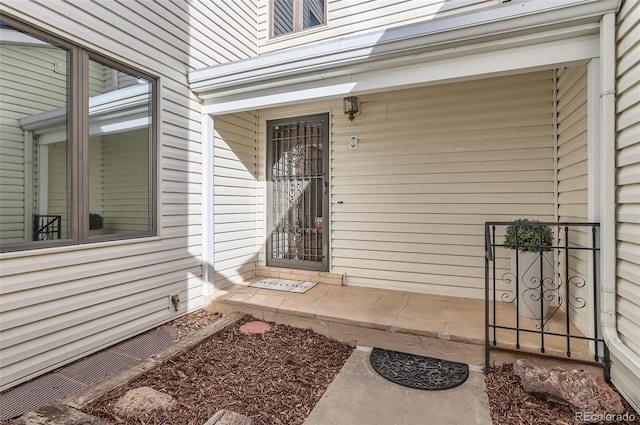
(77, 144)
(290, 16)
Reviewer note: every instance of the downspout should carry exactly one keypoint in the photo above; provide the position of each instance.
(608, 315)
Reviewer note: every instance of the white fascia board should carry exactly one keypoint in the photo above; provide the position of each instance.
(56, 135)
(340, 54)
(112, 125)
(126, 106)
(428, 69)
(501, 62)
(326, 89)
(423, 59)
(42, 120)
(12, 37)
(118, 125)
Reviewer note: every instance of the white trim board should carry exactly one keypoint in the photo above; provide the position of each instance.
(431, 68)
(522, 36)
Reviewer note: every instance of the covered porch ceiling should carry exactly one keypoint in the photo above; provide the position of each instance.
(508, 38)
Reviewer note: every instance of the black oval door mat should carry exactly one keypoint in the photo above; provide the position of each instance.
(423, 373)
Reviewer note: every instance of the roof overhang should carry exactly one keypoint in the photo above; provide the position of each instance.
(113, 112)
(507, 38)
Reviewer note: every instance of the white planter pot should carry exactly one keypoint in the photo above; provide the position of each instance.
(531, 285)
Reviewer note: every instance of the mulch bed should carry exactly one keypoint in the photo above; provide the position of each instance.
(274, 378)
(510, 404)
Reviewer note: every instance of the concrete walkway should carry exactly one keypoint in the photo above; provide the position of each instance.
(358, 395)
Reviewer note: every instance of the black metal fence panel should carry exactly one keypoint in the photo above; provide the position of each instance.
(541, 281)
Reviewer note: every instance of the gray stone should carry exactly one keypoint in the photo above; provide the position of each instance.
(142, 400)
(58, 414)
(579, 390)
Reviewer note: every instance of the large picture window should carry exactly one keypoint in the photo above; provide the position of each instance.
(289, 16)
(77, 144)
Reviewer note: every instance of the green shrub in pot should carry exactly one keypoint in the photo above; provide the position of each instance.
(528, 236)
(95, 221)
(530, 242)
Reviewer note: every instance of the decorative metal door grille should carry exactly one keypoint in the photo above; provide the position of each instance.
(296, 171)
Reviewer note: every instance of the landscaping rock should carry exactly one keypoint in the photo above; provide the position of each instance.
(142, 400)
(58, 414)
(579, 390)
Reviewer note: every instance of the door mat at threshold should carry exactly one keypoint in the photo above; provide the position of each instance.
(422, 373)
(297, 286)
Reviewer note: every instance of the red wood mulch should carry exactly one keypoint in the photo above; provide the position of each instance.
(275, 378)
(511, 405)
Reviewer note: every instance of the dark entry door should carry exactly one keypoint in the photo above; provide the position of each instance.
(297, 192)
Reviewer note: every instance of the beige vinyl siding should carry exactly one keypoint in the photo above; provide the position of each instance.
(57, 183)
(235, 197)
(628, 178)
(60, 304)
(125, 181)
(99, 79)
(350, 17)
(433, 164)
(572, 187)
(41, 89)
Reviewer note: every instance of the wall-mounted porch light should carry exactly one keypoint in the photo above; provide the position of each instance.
(350, 106)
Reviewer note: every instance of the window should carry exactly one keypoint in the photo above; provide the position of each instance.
(77, 144)
(290, 16)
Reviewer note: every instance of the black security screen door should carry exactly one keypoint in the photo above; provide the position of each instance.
(297, 176)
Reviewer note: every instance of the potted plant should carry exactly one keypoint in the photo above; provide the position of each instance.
(531, 242)
(96, 223)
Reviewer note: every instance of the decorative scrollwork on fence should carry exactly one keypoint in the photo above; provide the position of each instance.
(556, 295)
(548, 289)
(574, 301)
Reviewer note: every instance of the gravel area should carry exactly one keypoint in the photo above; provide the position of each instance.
(192, 322)
(274, 378)
(511, 405)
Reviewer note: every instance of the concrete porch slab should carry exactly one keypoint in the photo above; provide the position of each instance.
(446, 327)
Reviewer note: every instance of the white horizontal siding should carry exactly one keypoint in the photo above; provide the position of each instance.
(29, 85)
(628, 191)
(60, 304)
(432, 159)
(234, 204)
(573, 187)
(57, 184)
(349, 17)
(125, 185)
(433, 164)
